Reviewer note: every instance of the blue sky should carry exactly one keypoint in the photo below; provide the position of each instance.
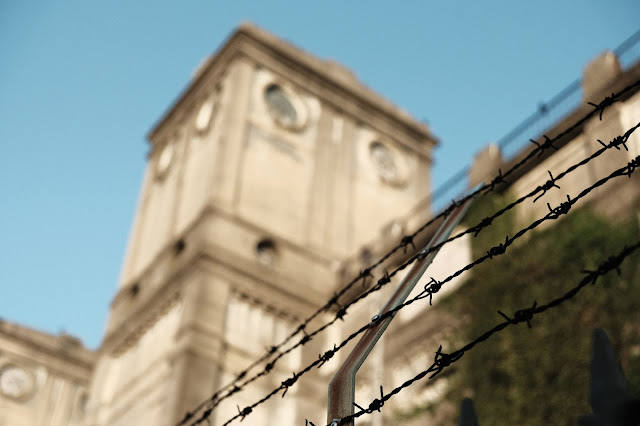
(82, 82)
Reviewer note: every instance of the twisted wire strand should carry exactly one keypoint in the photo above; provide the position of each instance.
(444, 360)
(434, 286)
(233, 387)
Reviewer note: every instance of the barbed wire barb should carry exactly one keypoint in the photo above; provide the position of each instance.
(551, 183)
(443, 360)
(548, 143)
(522, 315)
(497, 180)
(499, 249)
(605, 103)
(407, 241)
(562, 209)
(431, 288)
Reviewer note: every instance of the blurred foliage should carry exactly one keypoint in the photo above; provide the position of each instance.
(524, 376)
(500, 227)
(541, 375)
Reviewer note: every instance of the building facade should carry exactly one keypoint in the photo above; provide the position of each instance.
(271, 181)
(617, 200)
(270, 170)
(44, 379)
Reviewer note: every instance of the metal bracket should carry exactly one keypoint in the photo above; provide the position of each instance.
(342, 386)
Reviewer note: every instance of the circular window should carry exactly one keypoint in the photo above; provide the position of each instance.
(16, 382)
(285, 107)
(386, 163)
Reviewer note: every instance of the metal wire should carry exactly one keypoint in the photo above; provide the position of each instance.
(435, 285)
(525, 315)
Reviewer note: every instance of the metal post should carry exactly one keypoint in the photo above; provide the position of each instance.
(342, 386)
(467, 414)
(377, 359)
(609, 396)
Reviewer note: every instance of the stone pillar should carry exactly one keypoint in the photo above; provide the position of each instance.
(485, 165)
(199, 353)
(598, 74)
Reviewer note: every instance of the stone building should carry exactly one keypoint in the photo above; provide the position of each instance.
(261, 180)
(43, 378)
(271, 181)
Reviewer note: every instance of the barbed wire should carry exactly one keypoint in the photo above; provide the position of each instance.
(407, 241)
(540, 190)
(444, 360)
(434, 286)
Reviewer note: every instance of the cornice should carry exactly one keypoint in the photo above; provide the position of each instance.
(64, 348)
(144, 307)
(129, 330)
(627, 78)
(248, 39)
(191, 235)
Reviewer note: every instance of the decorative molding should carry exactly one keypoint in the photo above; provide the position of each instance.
(278, 96)
(151, 316)
(164, 160)
(263, 305)
(206, 112)
(389, 163)
(256, 45)
(17, 382)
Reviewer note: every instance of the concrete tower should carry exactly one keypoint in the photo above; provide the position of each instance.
(270, 169)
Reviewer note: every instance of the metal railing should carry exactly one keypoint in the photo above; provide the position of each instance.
(546, 116)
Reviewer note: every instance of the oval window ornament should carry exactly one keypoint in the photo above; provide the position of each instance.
(285, 107)
(386, 163)
(207, 111)
(205, 115)
(16, 382)
(164, 160)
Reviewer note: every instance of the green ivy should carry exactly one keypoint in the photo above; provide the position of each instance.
(540, 375)
(500, 227)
